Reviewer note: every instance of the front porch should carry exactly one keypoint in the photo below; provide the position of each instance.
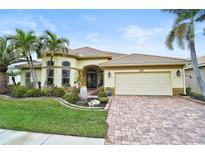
(93, 77)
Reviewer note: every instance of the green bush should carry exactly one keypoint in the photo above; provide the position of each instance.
(188, 91)
(75, 90)
(103, 99)
(47, 92)
(101, 93)
(72, 98)
(19, 91)
(33, 93)
(59, 92)
(81, 103)
(197, 96)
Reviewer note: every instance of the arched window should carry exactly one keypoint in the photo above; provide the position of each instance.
(66, 63)
(50, 73)
(66, 73)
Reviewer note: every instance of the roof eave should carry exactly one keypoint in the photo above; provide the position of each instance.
(147, 64)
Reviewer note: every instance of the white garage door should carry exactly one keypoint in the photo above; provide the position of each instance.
(143, 84)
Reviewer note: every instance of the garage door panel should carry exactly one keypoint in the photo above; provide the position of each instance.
(143, 84)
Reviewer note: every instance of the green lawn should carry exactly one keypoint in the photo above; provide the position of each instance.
(48, 116)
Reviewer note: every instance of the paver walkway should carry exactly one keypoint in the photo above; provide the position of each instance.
(155, 120)
(11, 137)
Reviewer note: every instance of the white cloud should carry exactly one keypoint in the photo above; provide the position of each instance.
(18, 21)
(139, 33)
(88, 17)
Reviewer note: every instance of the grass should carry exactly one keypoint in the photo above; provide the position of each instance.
(48, 116)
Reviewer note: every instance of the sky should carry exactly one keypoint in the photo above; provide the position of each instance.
(123, 31)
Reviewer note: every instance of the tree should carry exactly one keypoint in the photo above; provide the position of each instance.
(6, 58)
(13, 74)
(183, 31)
(50, 43)
(24, 44)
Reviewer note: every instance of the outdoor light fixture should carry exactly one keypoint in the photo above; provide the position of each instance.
(109, 74)
(178, 73)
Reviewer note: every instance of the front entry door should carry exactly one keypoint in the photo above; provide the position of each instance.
(91, 80)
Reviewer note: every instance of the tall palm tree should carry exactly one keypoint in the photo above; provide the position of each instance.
(6, 58)
(183, 31)
(24, 44)
(51, 44)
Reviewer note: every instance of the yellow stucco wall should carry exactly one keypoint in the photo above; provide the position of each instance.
(76, 64)
(86, 62)
(79, 64)
(176, 82)
(58, 69)
(23, 76)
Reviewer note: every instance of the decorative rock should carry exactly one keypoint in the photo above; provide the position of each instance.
(93, 96)
(94, 102)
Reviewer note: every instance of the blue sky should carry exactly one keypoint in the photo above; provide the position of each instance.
(125, 31)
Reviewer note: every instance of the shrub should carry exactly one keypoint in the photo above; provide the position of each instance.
(19, 91)
(103, 99)
(75, 90)
(72, 98)
(81, 103)
(59, 92)
(101, 93)
(197, 96)
(47, 92)
(33, 93)
(188, 90)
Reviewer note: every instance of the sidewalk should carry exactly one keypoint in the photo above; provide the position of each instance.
(12, 137)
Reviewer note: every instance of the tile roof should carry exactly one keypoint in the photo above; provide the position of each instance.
(142, 59)
(91, 52)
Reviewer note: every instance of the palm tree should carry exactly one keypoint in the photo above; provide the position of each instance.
(24, 44)
(51, 44)
(6, 58)
(13, 74)
(183, 31)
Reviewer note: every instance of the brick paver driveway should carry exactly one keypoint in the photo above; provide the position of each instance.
(155, 120)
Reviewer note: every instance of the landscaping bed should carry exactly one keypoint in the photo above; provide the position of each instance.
(48, 116)
(71, 97)
(193, 95)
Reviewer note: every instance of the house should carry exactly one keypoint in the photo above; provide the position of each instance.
(124, 74)
(190, 77)
(17, 77)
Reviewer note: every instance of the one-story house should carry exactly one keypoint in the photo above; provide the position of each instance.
(190, 77)
(124, 74)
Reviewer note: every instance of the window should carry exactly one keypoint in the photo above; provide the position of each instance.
(50, 73)
(66, 73)
(28, 78)
(50, 63)
(66, 64)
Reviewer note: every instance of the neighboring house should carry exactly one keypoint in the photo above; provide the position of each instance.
(14, 69)
(134, 74)
(190, 77)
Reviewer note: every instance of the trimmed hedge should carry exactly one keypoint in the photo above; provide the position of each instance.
(101, 93)
(33, 93)
(59, 92)
(103, 99)
(72, 98)
(20, 91)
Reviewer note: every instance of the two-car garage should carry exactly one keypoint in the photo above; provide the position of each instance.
(140, 74)
(149, 83)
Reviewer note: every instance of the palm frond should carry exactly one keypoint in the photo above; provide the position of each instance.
(180, 34)
(200, 16)
(170, 39)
